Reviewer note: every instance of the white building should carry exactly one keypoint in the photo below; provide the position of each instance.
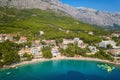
(42, 33)
(115, 35)
(93, 49)
(115, 52)
(36, 52)
(90, 33)
(50, 42)
(66, 42)
(36, 43)
(55, 51)
(81, 44)
(105, 43)
(76, 39)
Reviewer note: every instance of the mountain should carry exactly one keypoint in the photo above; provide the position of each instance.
(91, 16)
(98, 17)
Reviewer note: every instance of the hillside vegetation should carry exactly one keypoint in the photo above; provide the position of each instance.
(29, 22)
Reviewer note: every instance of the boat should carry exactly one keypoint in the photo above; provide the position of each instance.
(16, 67)
(8, 73)
(106, 67)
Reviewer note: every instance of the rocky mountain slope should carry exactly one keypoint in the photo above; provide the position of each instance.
(87, 15)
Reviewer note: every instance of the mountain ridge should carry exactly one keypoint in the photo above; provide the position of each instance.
(91, 16)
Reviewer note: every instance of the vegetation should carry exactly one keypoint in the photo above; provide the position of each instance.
(109, 46)
(47, 52)
(28, 57)
(73, 50)
(103, 55)
(29, 22)
(9, 53)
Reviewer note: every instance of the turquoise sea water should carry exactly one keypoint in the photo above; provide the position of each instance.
(61, 70)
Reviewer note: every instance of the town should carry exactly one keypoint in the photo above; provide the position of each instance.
(76, 47)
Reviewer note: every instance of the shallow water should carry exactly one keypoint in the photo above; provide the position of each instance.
(61, 70)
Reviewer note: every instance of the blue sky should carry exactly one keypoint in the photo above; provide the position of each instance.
(104, 5)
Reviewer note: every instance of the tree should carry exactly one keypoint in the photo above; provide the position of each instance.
(72, 50)
(103, 55)
(109, 46)
(43, 43)
(28, 57)
(9, 53)
(47, 52)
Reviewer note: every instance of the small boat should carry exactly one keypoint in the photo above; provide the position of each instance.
(16, 67)
(8, 73)
(106, 67)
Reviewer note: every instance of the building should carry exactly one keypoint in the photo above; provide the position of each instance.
(105, 43)
(36, 43)
(36, 52)
(90, 33)
(55, 51)
(1, 38)
(81, 44)
(65, 43)
(10, 37)
(22, 39)
(116, 35)
(50, 42)
(22, 52)
(42, 33)
(76, 40)
(115, 52)
(93, 49)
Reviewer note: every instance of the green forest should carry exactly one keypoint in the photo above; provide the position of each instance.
(9, 53)
(29, 22)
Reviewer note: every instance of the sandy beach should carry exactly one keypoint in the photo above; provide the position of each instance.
(60, 58)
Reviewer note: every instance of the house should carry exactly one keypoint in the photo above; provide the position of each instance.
(55, 51)
(42, 33)
(93, 49)
(105, 43)
(65, 43)
(22, 52)
(115, 52)
(81, 44)
(36, 43)
(36, 52)
(90, 33)
(22, 39)
(116, 35)
(67, 31)
(50, 42)
(10, 37)
(105, 37)
(1, 38)
(76, 40)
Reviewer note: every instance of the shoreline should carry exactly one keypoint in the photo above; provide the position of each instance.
(60, 58)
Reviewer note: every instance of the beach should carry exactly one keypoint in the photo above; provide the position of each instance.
(60, 58)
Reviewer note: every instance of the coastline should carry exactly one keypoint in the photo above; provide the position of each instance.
(60, 58)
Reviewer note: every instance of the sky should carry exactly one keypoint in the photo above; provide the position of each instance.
(103, 5)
